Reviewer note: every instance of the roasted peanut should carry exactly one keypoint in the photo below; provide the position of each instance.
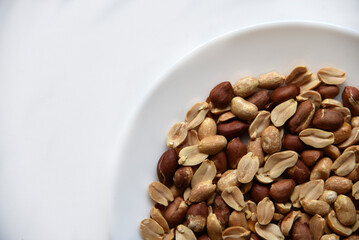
(236, 149)
(221, 95)
(260, 99)
(232, 129)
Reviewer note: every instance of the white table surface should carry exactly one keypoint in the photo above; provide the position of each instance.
(73, 72)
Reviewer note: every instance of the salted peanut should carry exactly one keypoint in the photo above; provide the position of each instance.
(354, 148)
(158, 217)
(244, 87)
(251, 225)
(175, 213)
(271, 140)
(235, 150)
(301, 231)
(204, 237)
(271, 80)
(316, 138)
(329, 196)
(243, 109)
(341, 185)
(299, 76)
(177, 134)
(331, 236)
(345, 112)
(304, 218)
(353, 138)
(151, 230)
(345, 210)
(316, 226)
(330, 102)
(186, 194)
(283, 208)
(246, 187)
(336, 226)
(235, 233)
(281, 191)
(218, 110)
(282, 112)
(321, 170)
(310, 95)
(167, 166)
(344, 164)
(310, 157)
(160, 193)
(221, 95)
(212, 144)
(211, 199)
(352, 237)
(294, 197)
(247, 168)
(284, 93)
(269, 232)
(234, 198)
(190, 156)
(287, 222)
(214, 228)
(228, 179)
(261, 121)
(331, 151)
(327, 229)
(302, 118)
(192, 138)
(355, 191)
(207, 128)
(328, 91)
(238, 219)
(292, 142)
(311, 190)
(260, 98)
(263, 177)
(183, 177)
(265, 211)
(196, 115)
(169, 235)
(281, 133)
(300, 173)
(277, 217)
(225, 117)
(184, 233)
(350, 97)
(258, 192)
(277, 163)
(220, 161)
(355, 121)
(197, 216)
(315, 207)
(331, 76)
(250, 209)
(202, 191)
(255, 146)
(176, 191)
(355, 227)
(327, 119)
(206, 172)
(311, 84)
(221, 210)
(343, 133)
(354, 175)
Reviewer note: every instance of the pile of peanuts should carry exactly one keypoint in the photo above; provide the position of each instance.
(296, 178)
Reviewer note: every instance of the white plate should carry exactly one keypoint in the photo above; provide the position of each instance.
(253, 51)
